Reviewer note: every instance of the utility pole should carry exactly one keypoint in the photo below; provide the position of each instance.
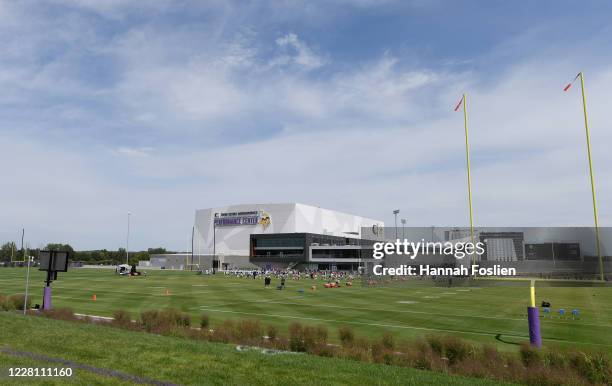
(127, 242)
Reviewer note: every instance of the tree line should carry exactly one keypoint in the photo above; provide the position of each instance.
(10, 252)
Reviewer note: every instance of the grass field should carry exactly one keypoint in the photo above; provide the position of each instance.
(493, 315)
(182, 361)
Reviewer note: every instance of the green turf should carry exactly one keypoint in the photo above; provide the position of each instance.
(183, 361)
(493, 315)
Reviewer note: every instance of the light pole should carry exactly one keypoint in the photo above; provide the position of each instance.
(215, 245)
(395, 213)
(25, 299)
(403, 228)
(127, 242)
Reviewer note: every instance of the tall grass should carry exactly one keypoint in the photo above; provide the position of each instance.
(446, 354)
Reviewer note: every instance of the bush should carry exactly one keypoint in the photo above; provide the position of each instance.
(381, 354)
(594, 367)
(272, 332)
(5, 305)
(427, 358)
(60, 314)
(358, 350)
(457, 349)
(248, 332)
(296, 338)
(224, 332)
(436, 344)
(17, 301)
(555, 359)
(123, 319)
(165, 321)
(204, 322)
(388, 341)
(307, 338)
(321, 334)
(530, 356)
(346, 334)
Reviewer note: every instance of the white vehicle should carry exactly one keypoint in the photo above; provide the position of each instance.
(123, 269)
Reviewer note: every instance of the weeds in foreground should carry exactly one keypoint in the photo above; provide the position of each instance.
(447, 354)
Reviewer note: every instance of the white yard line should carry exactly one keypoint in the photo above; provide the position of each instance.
(406, 311)
(400, 326)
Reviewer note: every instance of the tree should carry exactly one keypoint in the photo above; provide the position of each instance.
(59, 247)
(9, 251)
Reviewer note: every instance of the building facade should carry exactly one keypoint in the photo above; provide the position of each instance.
(279, 236)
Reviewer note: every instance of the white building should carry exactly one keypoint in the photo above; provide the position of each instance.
(282, 235)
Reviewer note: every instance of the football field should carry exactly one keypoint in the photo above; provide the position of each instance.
(495, 315)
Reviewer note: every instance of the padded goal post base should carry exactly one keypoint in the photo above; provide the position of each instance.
(535, 337)
(47, 298)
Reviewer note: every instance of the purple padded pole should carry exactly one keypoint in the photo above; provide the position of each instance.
(533, 315)
(47, 298)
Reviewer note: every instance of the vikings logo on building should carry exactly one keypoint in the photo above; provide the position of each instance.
(264, 220)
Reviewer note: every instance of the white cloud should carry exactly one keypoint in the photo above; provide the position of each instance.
(297, 52)
(133, 152)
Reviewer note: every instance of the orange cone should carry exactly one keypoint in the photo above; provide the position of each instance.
(94, 298)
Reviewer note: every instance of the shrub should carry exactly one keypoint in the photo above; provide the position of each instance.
(60, 314)
(272, 332)
(358, 350)
(149, 319)
(224, 332)
(346, 334)
(324, 350)
(555, 359)
(594, 367)
(381, 354)
(387, 341)
(472, 368)
(204, 322)
(17, 301)
(296, 338)
(123, 319)
(248, 332)
(436, 344)
(5, 305)
(165, 321)
(529, 355)
(456, 349)
(307, 338)
(321, 334)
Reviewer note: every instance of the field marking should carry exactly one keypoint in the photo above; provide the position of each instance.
(407, 302)
(403, 326)
(252, 301)
(405, 311)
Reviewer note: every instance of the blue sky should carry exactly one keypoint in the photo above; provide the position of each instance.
(162, 107)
